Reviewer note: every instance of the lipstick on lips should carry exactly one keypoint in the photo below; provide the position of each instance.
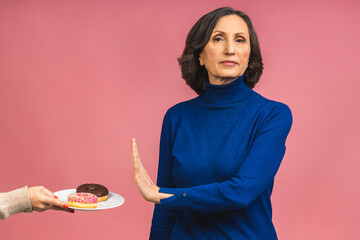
(228, 63)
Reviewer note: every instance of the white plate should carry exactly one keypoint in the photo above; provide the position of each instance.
(114, 200)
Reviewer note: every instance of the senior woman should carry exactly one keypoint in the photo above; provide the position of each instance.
(220, 151)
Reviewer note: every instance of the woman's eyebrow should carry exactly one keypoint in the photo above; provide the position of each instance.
(219, 31)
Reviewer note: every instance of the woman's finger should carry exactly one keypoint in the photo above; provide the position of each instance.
(135, 149)
(63, 209)
(56, 203)
(135, 156)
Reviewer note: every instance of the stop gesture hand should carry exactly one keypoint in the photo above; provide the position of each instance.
(146, 186)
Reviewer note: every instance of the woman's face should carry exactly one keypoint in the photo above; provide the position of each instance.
(226, 55)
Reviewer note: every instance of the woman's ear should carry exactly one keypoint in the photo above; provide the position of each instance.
(201, 61)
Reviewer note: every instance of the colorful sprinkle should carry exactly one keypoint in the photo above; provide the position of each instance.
(82, 198)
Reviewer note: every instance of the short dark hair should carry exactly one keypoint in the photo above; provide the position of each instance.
(199, 36)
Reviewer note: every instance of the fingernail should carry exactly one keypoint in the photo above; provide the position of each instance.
(66, 206)
(56, 197)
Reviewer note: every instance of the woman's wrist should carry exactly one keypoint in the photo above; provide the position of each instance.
(160, 196)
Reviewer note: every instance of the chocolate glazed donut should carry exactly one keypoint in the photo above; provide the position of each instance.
(98, 190)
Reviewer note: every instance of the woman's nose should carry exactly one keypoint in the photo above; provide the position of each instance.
(229, 48)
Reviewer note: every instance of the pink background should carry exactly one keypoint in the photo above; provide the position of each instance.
(78, 79)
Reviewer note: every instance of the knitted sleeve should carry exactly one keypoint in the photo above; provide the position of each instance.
(14, 202)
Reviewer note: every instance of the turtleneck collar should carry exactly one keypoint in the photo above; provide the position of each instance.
(225, 94)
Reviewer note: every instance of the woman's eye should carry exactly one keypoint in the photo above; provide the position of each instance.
(217, 39)
(240, 40)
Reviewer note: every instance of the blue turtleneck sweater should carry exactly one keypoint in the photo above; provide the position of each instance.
(219, 154)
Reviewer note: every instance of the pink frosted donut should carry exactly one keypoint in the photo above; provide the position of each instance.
(82, 200)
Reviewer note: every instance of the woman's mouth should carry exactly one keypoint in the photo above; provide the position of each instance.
(229, 63)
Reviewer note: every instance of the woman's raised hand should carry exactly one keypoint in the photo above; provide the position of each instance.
(146, 186)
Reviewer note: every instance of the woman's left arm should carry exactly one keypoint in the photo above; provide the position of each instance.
(252, 178)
